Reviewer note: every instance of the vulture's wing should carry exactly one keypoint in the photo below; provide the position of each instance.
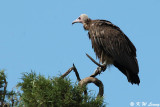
(116, 45)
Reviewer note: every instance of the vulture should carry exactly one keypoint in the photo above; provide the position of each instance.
(112, 46)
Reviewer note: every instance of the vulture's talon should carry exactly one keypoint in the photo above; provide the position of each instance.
(99, 69)
(104, 68)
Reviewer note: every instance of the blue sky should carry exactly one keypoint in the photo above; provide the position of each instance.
(38, 35)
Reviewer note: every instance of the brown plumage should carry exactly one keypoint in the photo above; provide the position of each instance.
(112, 46)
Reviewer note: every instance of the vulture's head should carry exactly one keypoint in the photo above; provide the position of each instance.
(81, 19)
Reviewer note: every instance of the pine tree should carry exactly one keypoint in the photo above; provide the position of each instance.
(38, 91)
(3, 86)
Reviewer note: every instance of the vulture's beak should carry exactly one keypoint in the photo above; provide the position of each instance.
(76, 21)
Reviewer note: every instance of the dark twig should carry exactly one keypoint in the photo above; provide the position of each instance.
(69, 70)
(94, 60)
(76, 72)
(99, 69)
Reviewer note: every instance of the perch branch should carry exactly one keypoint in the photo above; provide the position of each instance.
(99, 69)
(94, 61)
(97, 82)
(69, 70)
(90, 79)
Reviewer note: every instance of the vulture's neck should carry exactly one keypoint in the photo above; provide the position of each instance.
(86, 24)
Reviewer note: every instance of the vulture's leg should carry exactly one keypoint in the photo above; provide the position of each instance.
(99, 69)
(104, 66)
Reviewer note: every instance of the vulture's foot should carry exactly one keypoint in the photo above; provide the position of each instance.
(99, 70)
(103, 67)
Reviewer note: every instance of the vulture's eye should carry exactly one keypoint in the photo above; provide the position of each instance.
(79, 18)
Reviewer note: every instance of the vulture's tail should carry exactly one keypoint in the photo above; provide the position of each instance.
(132, 77)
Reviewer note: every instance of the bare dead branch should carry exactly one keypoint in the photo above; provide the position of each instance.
(69, 70)
(76, 72)
(87, 80)
(94, 61)
(96, 81)
(99, 69)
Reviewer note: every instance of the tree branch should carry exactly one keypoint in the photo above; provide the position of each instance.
(90, 79)
(96, 81)
(76, 72)
(69, 70)
(94, 60)
(99, 69)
